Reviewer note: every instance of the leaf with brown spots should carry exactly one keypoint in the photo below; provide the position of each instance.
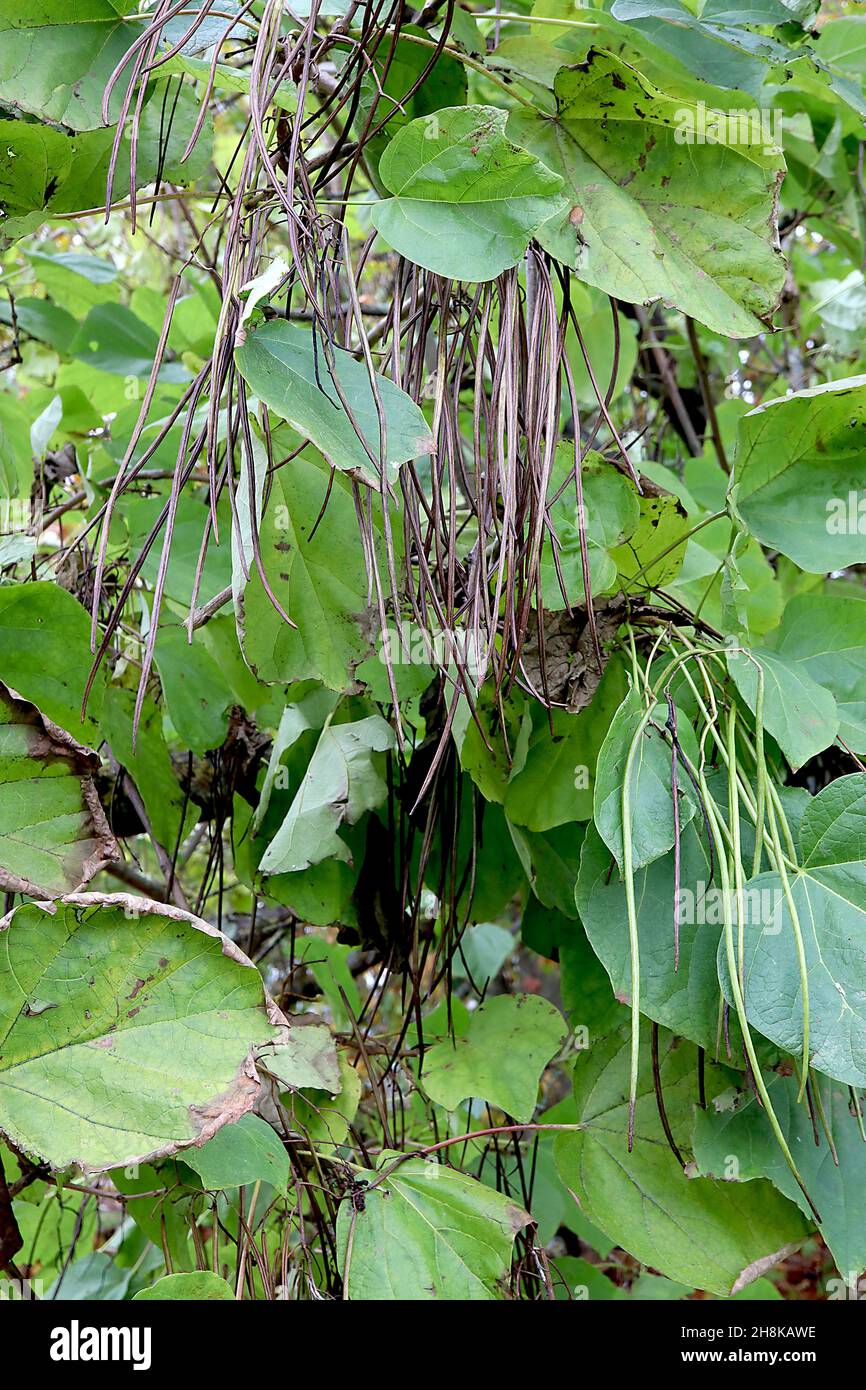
(705, 240)
(144, 1036)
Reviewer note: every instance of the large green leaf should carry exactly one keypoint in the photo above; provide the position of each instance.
(427, 1232)
(685, 1000)
(649, 218)
(323, 597)
(16, 458)
(843, 43)
(45, 652)
(53, 831)
(711, 1235)
(718, 46)
(129, 1030)
(734, 1141)
(799, 713)
(466, 200)
(799, 463)
(247, 1151)
(500, 1059)
(56, 59)
(539, 54)
(41, 167)
(824, 635)
(288, 368)
(829, 893)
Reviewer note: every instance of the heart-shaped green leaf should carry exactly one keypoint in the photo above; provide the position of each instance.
(466, 200)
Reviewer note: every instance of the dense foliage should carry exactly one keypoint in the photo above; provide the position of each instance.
(433, 649)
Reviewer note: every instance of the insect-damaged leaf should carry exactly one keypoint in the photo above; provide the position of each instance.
(649, 218)
(427, 1232)
(653, 554)
(129, 1030)
(53, 831)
